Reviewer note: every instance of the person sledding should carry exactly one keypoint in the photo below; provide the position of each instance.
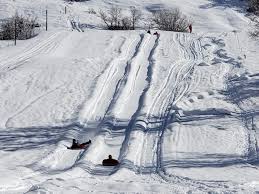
(110, 161)
(156, 33)
(75, 145)
(190, 28)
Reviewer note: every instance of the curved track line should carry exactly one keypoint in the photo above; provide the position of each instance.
(44, 46)
(110, 75)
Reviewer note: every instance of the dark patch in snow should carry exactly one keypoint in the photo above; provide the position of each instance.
(224, 4)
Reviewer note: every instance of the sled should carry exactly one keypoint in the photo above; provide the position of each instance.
(80, 146)
(110, 162)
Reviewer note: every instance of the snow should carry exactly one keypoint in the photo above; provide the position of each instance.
(179, 111)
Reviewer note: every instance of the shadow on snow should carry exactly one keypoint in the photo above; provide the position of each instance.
(13, 139)
(202, 160)
(224, 4)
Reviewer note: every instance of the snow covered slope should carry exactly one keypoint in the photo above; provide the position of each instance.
(179, 111)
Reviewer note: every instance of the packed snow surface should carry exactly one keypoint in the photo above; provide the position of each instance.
(179, 111)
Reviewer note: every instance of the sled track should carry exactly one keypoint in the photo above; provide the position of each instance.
(133, 121)
(132, 80)
(77, 156)
(122, 82)
(176, 75)
(182, 84)
(105, 126)
(109, 79)
(178, 81)
(166, 95)
(152, 63)
(45, 47)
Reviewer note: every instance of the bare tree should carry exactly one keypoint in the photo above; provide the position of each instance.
(104, 17)
(115, 15)
(112, 19)
(253, 6)
(255, 33)
(115, 20)
(135, 16)
(91, 11)
(25, 28)
(170, 20)
(126, 23)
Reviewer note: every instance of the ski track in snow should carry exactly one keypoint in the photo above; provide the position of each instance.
(106, 128)
(45, 46)
(140, 148)
(152, 138)
(139, 102)
(109, 79)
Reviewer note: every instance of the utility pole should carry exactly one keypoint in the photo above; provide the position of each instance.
(65, 9)
(46, 20)
(15, 35)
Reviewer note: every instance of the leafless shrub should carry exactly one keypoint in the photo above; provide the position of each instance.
(115, 20)
(255, 33)
(91, 11)
(112, 18)
(170, 20)
(253, 6)
(126, 23)
(115, 16)
(135, 16)
(25, 28)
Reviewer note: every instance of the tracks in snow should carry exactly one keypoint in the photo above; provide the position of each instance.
(107, 84)
(111, 137)
(154, 114)
(45, 46)
(134, 77)
(137, 143)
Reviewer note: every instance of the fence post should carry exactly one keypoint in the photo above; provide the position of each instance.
(15, 35)
(46, 20)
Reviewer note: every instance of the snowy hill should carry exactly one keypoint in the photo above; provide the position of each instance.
(179, 111)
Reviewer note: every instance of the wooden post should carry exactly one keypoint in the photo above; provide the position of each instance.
(15, 35)
(46, 20)
(65, 9)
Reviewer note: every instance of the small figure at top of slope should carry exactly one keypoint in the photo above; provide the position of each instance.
(76, 145)
(149, 32)
(190, 28)
(110, 161)
(156, 33)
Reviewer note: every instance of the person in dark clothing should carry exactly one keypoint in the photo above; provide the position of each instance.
(110, 161)
(156, 33)
(74, 144)
(149, 32)
(190, 28)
